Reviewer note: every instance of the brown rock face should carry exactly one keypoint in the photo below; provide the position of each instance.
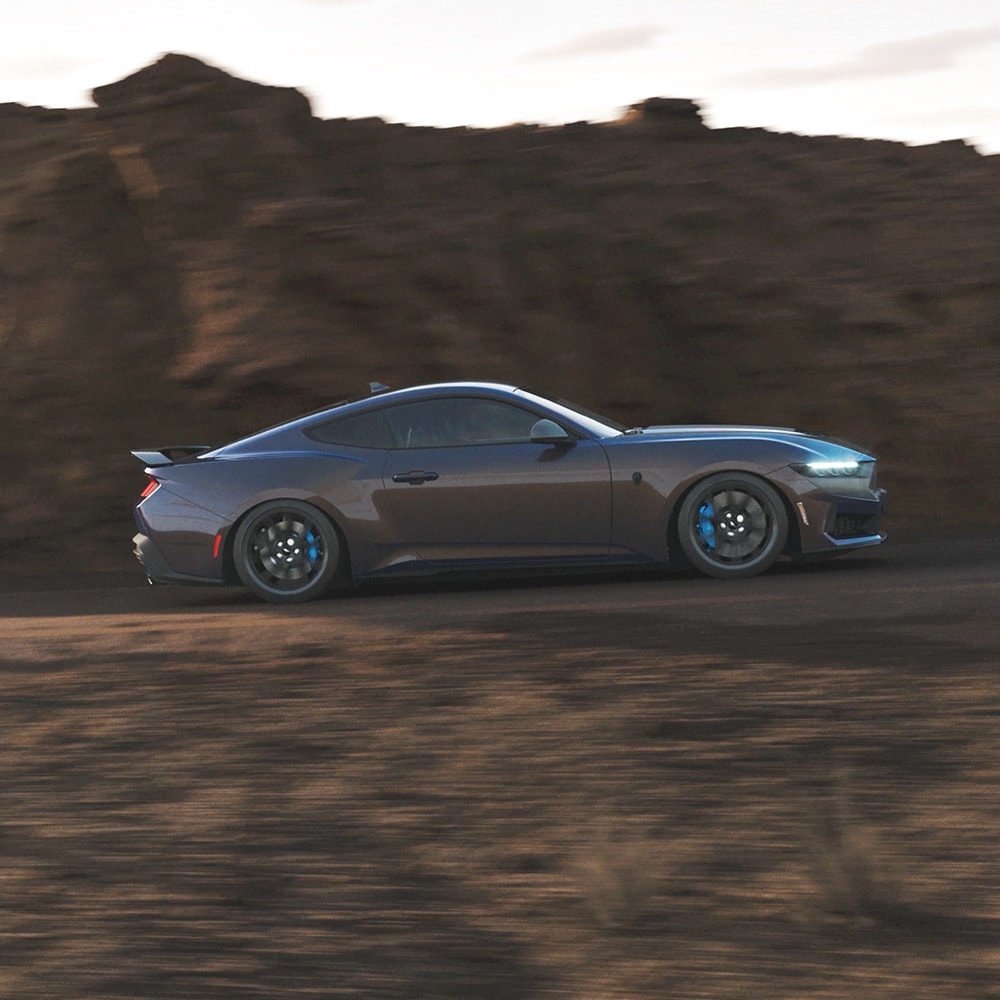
(199, 256)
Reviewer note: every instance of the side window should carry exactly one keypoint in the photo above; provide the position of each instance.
(363, 430)
(442, 423)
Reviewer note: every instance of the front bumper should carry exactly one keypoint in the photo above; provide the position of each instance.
(834, 523)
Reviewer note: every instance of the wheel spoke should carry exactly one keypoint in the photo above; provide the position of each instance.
(720, 502)
(758, 524)
(739, 549)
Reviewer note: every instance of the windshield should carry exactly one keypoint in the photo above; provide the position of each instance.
(593, 422)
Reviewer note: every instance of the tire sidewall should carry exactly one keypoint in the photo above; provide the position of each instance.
(315, 587)
(761, 491)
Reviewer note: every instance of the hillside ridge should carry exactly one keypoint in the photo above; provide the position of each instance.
(198, 256)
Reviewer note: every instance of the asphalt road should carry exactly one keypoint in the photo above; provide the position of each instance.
(954, 581)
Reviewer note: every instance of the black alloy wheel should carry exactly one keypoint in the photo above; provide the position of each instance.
(732, 526)
(287, 552)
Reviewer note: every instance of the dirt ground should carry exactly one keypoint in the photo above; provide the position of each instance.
(647, 788)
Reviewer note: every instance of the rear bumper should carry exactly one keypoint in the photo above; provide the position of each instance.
(157, 568)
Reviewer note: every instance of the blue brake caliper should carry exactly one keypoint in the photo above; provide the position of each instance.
(706, 526)
(313, 547)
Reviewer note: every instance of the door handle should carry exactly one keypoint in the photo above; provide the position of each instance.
(414, 478)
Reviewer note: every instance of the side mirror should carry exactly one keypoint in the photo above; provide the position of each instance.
(549, 432)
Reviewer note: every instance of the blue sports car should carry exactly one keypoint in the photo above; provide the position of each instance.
(486, 476)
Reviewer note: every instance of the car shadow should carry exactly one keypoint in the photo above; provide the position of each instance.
(500, 581)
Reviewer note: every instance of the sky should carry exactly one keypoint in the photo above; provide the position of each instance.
(919, 71)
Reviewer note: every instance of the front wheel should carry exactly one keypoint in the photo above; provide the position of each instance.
(732, 526)
(287, 552)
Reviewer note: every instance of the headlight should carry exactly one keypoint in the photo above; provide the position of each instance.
(843, 469)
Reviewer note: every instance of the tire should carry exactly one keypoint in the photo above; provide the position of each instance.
(287, 552)
(732, 526)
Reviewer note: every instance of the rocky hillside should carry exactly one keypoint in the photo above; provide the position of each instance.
(198, 256)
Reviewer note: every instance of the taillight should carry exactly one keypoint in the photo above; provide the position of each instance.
(151, 487)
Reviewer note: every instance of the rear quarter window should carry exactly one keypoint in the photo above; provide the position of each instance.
(362, 430)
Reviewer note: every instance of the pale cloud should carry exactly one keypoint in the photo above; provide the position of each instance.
(926, 54)
(597, 43)
(969, 116)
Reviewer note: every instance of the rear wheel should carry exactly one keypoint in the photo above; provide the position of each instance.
(732, 526)
(287, 552)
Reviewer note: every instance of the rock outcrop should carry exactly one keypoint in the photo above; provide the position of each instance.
(198, 256)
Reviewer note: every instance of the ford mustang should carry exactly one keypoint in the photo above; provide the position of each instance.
(484, 477)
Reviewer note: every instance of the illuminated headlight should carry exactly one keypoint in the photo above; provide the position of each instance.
(843, 469)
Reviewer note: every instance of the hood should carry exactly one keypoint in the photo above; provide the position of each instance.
(817, 444)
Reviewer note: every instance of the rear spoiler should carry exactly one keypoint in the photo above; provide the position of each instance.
(154, 457)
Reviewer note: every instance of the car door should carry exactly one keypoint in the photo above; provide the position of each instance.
(465, 482)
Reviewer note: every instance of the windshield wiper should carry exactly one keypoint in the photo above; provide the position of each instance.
(634, 430)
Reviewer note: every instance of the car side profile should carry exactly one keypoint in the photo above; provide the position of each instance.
(481, 476)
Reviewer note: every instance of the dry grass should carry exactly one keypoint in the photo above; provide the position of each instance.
(857, 874)
(205, 805)
(618, 874)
